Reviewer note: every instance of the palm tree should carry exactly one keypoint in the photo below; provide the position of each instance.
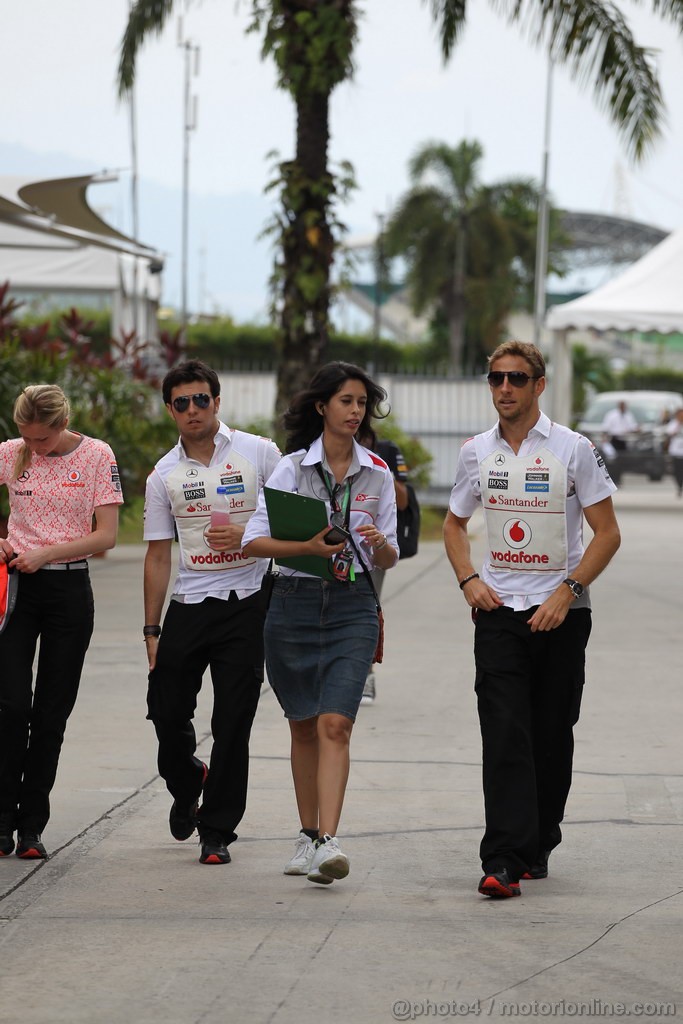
(312, 44)
(469, 249)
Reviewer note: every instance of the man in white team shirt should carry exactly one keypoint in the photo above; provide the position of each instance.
(536, 482)
(216, 612)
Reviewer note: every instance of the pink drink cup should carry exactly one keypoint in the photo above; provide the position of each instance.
(220, 518)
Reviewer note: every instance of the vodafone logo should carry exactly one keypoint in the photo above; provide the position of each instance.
(517, 533)
(74, 476)
(229, 466)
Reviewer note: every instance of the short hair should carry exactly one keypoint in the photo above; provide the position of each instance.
(186, 373)
(525, 350)
(302, 420)
(38, 403)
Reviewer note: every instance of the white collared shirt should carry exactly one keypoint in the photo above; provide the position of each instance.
(192, 585)
(587, 482)
(372, 495)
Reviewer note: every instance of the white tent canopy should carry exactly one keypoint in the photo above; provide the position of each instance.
(646, 297)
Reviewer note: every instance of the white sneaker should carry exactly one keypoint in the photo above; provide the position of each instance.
(369, 690)
(300, 864)
(328, 862)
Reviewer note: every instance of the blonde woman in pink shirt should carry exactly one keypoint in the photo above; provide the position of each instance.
(57, 480)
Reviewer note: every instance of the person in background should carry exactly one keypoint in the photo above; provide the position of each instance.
(674, 434)
(392, 455)
(618, 424)
(536, 482)
(58, 481)
(321, 634)
(215, 616)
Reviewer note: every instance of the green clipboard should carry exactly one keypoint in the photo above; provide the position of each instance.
(297, 517)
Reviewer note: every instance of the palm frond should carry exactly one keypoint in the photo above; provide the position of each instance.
(450, 16)
(593, 39)
(146, 17)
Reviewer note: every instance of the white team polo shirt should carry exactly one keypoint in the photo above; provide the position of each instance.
(553, 462)
(372, 495)
(178, 500)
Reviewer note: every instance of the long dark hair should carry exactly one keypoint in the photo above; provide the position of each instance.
(302, 420)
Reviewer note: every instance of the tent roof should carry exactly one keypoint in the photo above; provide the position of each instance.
(59, 208)
(646, 297)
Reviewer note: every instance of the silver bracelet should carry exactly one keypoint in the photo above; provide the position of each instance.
(378, 547)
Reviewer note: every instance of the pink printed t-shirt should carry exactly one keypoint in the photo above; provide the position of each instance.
(54, 499)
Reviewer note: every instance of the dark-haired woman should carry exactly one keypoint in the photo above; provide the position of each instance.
(58, 480)
(320, 635)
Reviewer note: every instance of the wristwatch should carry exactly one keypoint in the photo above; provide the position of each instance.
(575, 587)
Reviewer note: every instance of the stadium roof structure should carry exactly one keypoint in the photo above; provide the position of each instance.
(55, 248)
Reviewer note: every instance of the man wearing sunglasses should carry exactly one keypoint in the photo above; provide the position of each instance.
(536, 482)
(216, 612)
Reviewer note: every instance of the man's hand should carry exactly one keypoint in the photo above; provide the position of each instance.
(225, 538)
(152, 646)
(6, 552)
(553, 611)
(480, 595)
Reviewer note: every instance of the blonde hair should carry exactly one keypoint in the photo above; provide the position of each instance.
(39, 403)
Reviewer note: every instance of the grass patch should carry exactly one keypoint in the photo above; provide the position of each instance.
(431, 522)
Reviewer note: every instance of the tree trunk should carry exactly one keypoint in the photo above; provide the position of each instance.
(308, 251)
(456, 310)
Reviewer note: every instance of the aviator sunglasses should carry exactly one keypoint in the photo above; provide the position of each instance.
(517, 378)
(182, 402)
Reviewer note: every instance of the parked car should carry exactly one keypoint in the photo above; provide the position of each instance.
(645, 449)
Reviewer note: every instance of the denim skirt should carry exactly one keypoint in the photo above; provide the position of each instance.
(320, 637)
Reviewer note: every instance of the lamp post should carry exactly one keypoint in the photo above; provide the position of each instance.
(189, 125)
(541, 271)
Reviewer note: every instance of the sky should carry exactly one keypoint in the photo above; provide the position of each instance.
(61, 115)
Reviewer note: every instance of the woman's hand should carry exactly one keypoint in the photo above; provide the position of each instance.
(6, 552)
(373, 538)
(317, 546)
(31, 561)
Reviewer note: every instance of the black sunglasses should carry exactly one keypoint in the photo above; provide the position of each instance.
(182, 402)
(517, 378)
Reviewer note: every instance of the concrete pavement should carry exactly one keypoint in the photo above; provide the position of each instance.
(123, 923)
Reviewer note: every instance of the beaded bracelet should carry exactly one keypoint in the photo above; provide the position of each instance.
(472, 576)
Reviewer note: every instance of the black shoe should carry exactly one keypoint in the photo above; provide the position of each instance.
(182, 821)
(539, 869)
(214, 848)
(499, 885)
(30, 846)
(7, 828)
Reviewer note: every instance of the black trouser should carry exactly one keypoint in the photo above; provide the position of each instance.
(529, 688)
(57, 606)
(677, 468)
(227, 636)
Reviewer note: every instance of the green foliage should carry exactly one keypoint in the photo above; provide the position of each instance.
(107, 401)
(98, 321)
(470, 249)
(588, 370)
(418, 459)
(651, 378)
